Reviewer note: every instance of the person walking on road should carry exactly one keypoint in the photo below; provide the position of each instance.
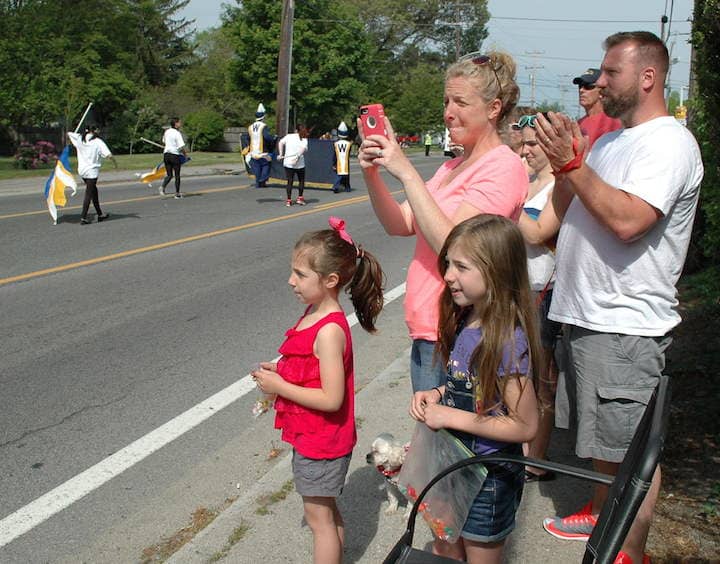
(314, 379)
(428, 143)
(628, 214)
(489, 341)
(174, 155)
(261, 144)
(480, 91)
(91, 149)
(291, 151)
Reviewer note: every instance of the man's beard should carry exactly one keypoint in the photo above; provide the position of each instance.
(620, 104)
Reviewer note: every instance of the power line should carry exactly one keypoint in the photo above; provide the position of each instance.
(570, 21)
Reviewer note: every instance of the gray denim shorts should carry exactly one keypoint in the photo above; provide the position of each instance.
(323, 477)
(610, 378)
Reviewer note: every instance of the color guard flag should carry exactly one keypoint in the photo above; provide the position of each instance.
(158, 173)
(60, 178)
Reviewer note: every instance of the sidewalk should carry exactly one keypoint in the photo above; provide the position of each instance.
(36, 184)
(277, 533)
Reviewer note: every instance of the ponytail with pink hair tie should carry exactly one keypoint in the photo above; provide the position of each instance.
(338, 225)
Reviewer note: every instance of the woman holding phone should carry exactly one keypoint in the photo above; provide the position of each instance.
(480, 92)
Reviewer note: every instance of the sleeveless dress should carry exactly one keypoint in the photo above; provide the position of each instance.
(315, 434)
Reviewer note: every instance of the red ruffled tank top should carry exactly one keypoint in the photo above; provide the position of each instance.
(313, 433)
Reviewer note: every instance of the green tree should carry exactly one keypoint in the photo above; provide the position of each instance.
(704, 120)
(673, 101)
(208, 80)
(433, 26)
(331, 58)
(204, 129)
(419, 107)
(56, 55)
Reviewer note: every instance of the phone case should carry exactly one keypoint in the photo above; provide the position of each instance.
(371, 117)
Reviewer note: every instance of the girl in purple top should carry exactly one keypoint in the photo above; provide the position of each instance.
(488, 338)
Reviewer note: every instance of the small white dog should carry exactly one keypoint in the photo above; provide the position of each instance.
(387, 454)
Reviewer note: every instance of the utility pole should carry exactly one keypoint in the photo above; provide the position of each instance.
(532, 68)
(564, 87)
(663, 21)
(282, 117)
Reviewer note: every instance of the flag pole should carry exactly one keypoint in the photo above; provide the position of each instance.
(152, 142)
(82, 119)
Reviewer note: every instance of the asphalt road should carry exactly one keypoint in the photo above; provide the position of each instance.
(111, 330)
(125, 405)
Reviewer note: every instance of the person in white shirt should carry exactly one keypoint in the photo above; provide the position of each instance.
(174, 155)
(291, 151)
(628, 214)
(90, 152)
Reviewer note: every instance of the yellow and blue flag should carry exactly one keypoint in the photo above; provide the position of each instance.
(60, 178)
(158, 173)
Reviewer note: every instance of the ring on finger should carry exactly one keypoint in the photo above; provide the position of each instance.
(379, 153)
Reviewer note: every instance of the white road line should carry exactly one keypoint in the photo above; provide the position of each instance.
(31, 515)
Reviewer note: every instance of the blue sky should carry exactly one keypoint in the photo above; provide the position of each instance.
(554, 51)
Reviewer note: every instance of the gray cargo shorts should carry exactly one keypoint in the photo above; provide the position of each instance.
(608, 381)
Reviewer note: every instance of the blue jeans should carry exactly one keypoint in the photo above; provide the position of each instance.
(424, 373)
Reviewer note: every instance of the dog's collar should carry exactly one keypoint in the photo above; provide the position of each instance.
(388, 473)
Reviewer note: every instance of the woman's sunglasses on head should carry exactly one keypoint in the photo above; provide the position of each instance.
(524, 121)
(479, 59)
(527, 121)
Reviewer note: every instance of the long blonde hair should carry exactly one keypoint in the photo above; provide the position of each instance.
(496, 247)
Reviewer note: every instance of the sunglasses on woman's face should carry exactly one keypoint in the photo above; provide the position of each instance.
(480, 60)
(586, 86)
(524, 121)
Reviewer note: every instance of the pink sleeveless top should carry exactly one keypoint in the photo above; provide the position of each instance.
(313, 433)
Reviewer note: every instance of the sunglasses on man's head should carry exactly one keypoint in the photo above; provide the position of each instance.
(586, 86)
(479, 59)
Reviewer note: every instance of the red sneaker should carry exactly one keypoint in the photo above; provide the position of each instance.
(623, 558)
(578, 526)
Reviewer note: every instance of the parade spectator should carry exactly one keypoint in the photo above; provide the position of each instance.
(480, 90)
(541, 270)
(620, 252)
(511, 134)
(341, 159)
(291, 151)
(261, 145)
(489, 340)
(314, 378)
(595, 122)
(173, 154)
(90, 152)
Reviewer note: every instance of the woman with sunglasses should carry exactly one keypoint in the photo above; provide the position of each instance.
(480, 92)
(539, 224)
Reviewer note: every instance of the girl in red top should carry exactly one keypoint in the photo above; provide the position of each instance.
(313, 381)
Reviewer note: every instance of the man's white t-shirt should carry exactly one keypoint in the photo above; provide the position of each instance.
(90, 154)
(173, 140)
(609, 286)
